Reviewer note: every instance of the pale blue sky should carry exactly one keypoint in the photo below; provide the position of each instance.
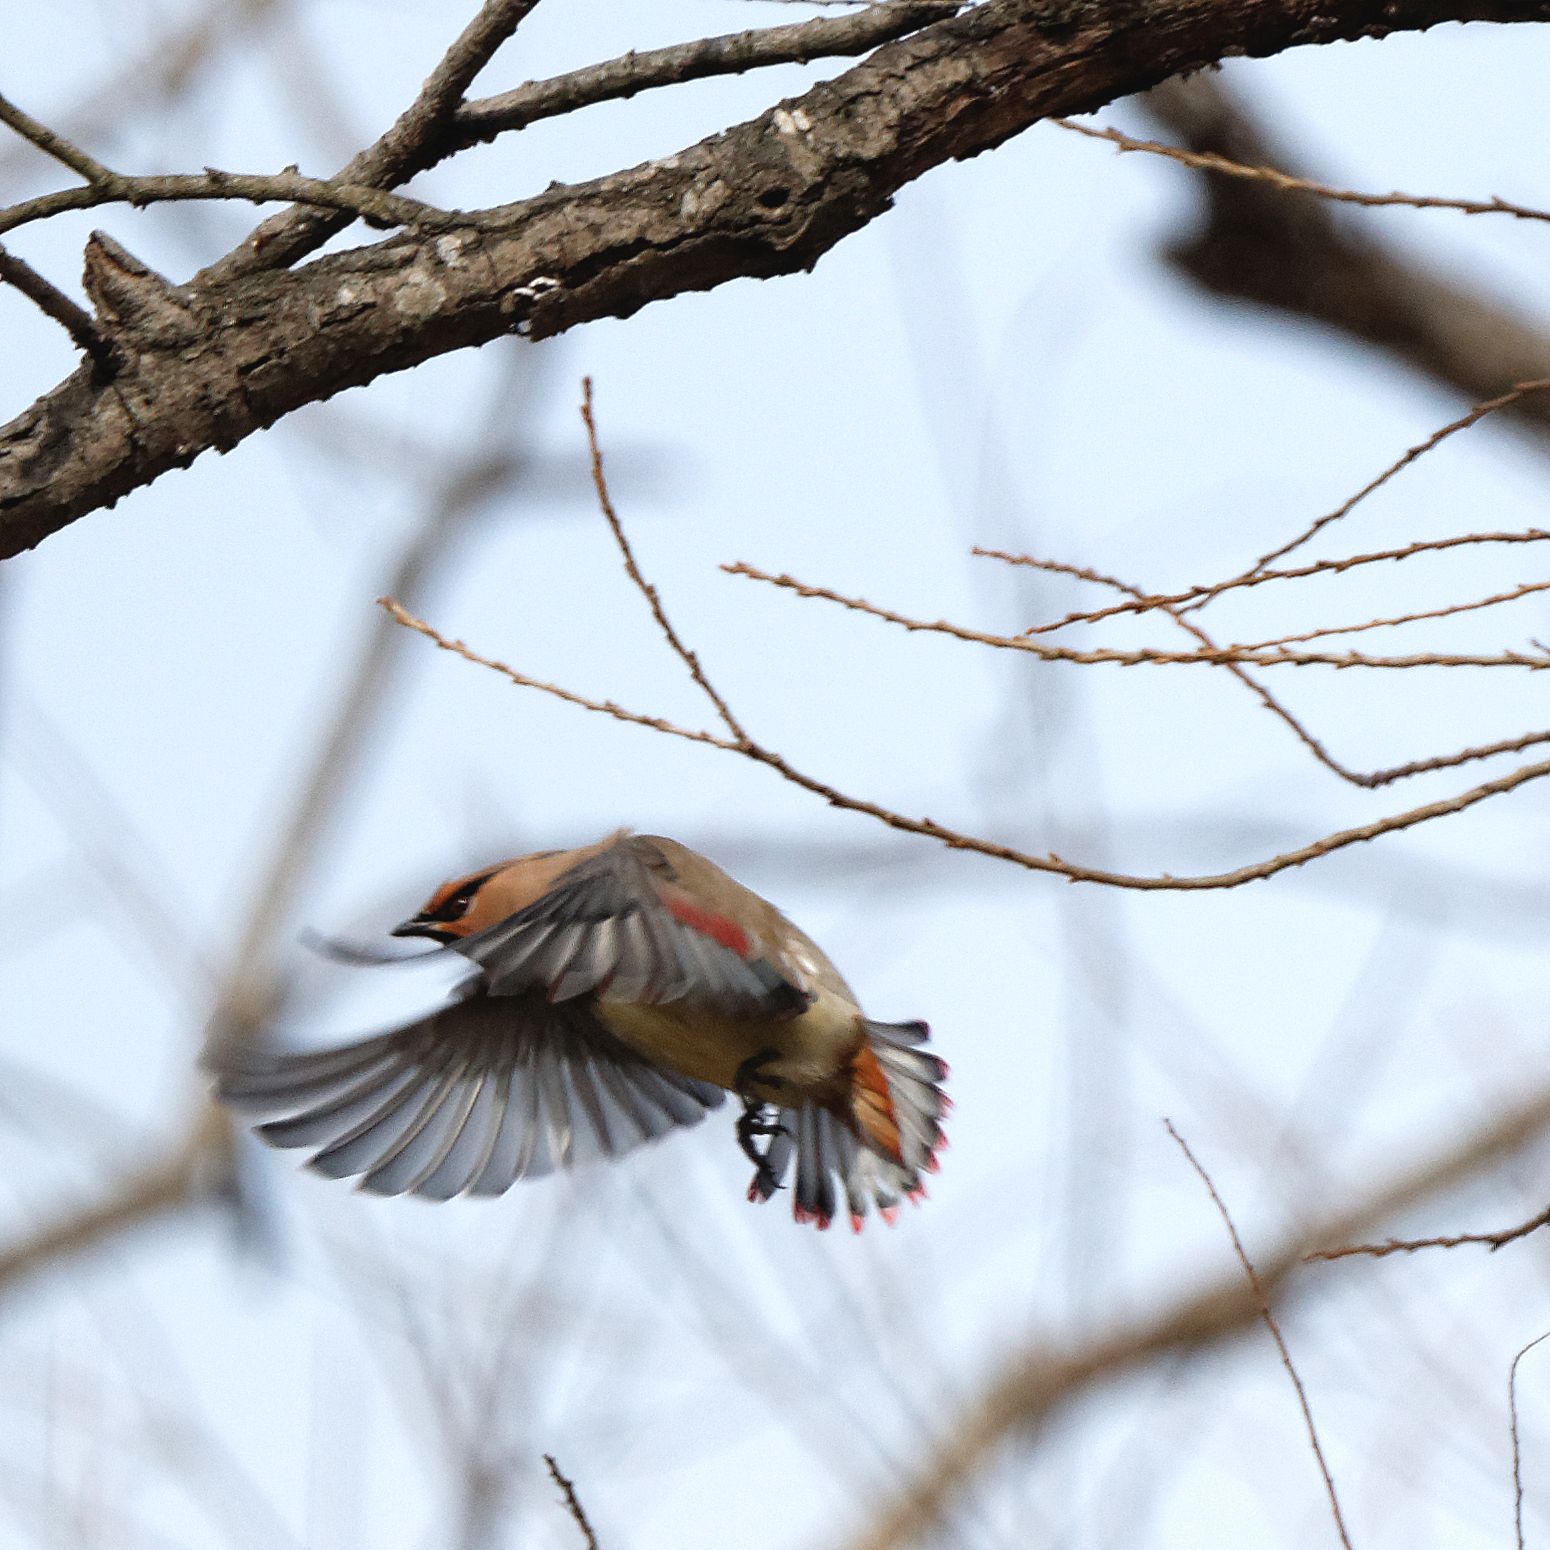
(999, 359)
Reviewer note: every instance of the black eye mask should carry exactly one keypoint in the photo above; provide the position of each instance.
(456, 907)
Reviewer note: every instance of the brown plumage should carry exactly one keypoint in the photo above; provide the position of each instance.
(622, 988)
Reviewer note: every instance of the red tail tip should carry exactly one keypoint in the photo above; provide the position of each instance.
(857, 1221)
(932, 1164)
(823, 1222)
(889, 1214)
(916, 1195)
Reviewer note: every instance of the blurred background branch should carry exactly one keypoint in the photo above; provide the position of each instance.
(253, 993)
(1295, 255)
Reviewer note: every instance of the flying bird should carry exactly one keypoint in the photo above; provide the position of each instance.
(622, 990)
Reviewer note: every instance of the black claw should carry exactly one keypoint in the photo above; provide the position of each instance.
(764, 1182)
(758, 1119)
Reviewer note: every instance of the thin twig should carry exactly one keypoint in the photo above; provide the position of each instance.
(1517, 1448)
(1472, 416)
(1373, 779)
(523, 681)
(1447, 611)
(1262, 1300)
(1193, 597)
(1199, 596)
(1493, 1240)
(649, 592)
(54, 144)
(732, 54)
(572, 1502)
(355, 199)
(1209, 161)
(955, 839)
(54, 303)
(1145, 656)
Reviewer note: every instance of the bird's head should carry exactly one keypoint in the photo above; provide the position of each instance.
(453, 911)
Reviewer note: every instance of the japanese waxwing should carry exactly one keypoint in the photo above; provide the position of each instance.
(622, 989)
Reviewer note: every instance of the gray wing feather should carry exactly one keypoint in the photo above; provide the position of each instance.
(330, 1118)
(553, 1106)
(634, 1117)
(396, 1165)
(440, 1138)
(467, 1153)
(486, 1091)
(587, 1102)
(603, 928)
(256, 1078)
(519, 1131)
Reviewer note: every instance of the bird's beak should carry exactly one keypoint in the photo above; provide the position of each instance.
(419, 926)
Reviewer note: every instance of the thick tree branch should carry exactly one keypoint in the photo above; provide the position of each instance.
(207, 364)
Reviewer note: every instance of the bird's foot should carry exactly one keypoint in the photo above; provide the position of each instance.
(756, 1120)
(753, 1071)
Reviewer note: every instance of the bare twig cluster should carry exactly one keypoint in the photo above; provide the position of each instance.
(1182, 609)
(1038, 1381)
(1046, 1383)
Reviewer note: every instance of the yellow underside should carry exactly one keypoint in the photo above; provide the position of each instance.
(810, 1051)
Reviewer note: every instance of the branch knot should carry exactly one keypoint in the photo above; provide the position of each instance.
(131, 296)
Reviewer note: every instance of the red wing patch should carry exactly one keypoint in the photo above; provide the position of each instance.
(872, 1103)
(719, 928)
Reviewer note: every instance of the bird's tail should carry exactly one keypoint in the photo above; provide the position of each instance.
(875, 1153)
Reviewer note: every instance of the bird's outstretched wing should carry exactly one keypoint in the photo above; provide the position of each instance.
(619, 924)
(485, 1092)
